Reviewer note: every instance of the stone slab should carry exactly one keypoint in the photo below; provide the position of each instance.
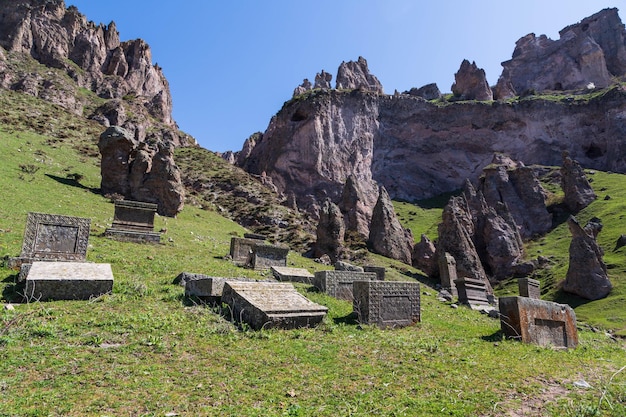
(540, 322)
(208, 288)
(133, 236)
(380, 271)
(134, 215)
(241, 250)
(472, 291)
(68, 281)
(271, 305)
(387, 303)
(264, 256)
(339, 284)
(529, 287)
(284, 273)
(447, 272)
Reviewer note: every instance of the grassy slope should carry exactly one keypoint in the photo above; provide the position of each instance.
(146, 350)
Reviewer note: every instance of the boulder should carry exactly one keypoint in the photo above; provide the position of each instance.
(578, 193)
(470, 83)
(587, 274)
(356, 204)
(424, 256)
(330, 232)
(139, 171)
(387, 237)
(356, 75)
(427, 92)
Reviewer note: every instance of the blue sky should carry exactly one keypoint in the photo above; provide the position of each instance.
(232, 64)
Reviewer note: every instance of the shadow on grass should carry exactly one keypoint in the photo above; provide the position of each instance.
(573, 301)
(14, 293)
(438, 201)
(73, 182)
(494, 337)
(350, 319)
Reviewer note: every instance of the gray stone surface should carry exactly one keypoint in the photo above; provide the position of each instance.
(271, 305)
(283, 273)
(338, 284)
(387, 303)
(68, 281)
(447, 272)
(380, 271)
(241, 250)
(265, 256)
(540, 322)
(471, 291)
(529, 287)
(133, 221)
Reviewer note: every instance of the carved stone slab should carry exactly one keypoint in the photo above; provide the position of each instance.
(540, 322)
(264, 256)
(271, 304)
(471, 291)
(378, 270)
(283, 273)
(68, 281)
(529, 287)
(338, 284)
(447, 272)
(133, 221)
(387, 303)
(241, 250)
(208, 288)
(54, 237)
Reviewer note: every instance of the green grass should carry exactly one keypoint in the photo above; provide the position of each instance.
(146, 350)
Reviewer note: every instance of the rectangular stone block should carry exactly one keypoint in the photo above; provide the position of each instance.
(264, 256)
(208, 288)
(471, 291)
(68, 281)
(271, 305)
(53, 237)
(378, 270)
(133, 221)
(540, 322)
(529, 287)
(241, 250)
(283, 273)
(387, 303)
(447, 272)
(338, 284)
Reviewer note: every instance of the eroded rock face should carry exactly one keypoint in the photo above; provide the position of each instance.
(427, 92)
(470, 83)
(322, 80)
(330, 232)
(141, 172)
(591, 51)
(587, 274)
(303, 88)
(356, 75)
(357, 204)
(578, 193)
(387, 236)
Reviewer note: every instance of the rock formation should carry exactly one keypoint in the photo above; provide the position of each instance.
(387, 236)
(322, 80)
(356, 75)
(93, 57)
(139, 171)
(356, 205)
(424, 256)
(591, 51)
(470, 83)
(427, 92)
(578, 193)
(330, 232)
(587, 274)
(303, 88)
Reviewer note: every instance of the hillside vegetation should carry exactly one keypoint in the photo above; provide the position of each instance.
(146, 350)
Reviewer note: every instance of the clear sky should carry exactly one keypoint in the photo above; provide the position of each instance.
(231, 64)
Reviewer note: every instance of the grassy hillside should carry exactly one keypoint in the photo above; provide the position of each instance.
(146, 350)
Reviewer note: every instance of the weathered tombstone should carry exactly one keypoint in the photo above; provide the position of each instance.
(447, 272)
(283, 273)
(133, 221)
(378, 270)
(265, 256)
(387, 303)
(208, 288)
(529, 287)
(540, 322)
(339, 284)
(271, 305)
(472, 291)
(241, 250)
(68, 281)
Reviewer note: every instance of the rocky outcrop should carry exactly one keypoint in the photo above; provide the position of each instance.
(139, 171)
(587, 274)
(424, 256)
(427, 92)
(322, 80)
(94, 58)
(470, 83)
(356, 204)
(387, 237)
(356, 75)
(303, 88)
(330, 232)
(578, 193)
(589, 52)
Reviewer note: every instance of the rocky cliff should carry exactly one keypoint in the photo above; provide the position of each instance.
(87, 56)
(417, 148)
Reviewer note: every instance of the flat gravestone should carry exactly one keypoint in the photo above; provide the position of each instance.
(529, 287)
(472, 291)
(284, 273)
(271, 305)
(68, 281)
(264, 256)
(338, 284)
(53, 237)
(241, 250)
(387, 303)
(133, 221)
(540, 322)
(208, 288)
